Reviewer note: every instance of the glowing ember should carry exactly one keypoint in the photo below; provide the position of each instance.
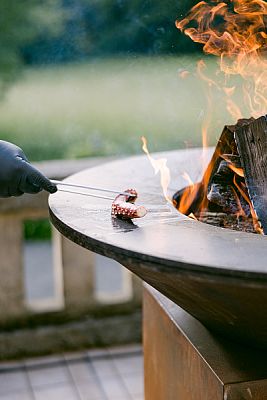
(160, 166)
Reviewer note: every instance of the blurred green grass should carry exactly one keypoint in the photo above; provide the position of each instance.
(105, 106)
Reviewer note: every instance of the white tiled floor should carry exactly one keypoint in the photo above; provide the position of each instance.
(109, 374)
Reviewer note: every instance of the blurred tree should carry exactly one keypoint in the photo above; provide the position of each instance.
(67, 45)
(21, 22)
(99, 27)
(143, 26)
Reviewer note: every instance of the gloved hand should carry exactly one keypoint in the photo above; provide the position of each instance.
(17, 175)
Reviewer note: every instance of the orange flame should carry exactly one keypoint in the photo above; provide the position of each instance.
(234, 30)
(192, 216)
(188, 196)
(160, 166)
(187, 178)
(238, 171)
(184, 74)
(201, 66)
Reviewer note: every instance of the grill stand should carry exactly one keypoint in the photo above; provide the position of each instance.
(217, 275)
(184, 361)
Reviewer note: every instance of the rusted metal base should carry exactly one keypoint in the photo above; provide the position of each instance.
(184, 361)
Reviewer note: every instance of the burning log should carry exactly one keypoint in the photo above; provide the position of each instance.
(235, 181)
(251, 142)
(123, 206)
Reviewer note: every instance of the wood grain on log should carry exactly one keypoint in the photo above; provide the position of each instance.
(235, 181)
(251, 142)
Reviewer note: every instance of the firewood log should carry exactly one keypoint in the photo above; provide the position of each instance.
(251, 142)
(235, 181)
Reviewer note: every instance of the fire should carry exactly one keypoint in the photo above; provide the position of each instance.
(238, 171)
(160, 166)
(188, 196)
(192, 216)
(187, 178)
(235, 31)
(184, 74)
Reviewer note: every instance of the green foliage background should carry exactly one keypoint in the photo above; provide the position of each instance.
(21, 22)
(138, 26)
(93, 28)
(97, 74)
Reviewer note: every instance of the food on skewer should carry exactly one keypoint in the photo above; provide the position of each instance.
(123, 206)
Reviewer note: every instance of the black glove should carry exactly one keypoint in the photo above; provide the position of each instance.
(17, 175)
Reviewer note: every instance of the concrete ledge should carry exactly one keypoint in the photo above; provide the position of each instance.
(60, 169)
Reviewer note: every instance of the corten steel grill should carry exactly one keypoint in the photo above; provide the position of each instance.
(217, 275)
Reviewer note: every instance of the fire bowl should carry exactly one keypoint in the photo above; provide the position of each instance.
(217, 275)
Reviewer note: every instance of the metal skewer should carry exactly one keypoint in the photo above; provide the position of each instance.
(87, 194)
(162, 209)
(89, 188)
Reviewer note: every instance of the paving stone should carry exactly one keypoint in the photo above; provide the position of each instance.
(106, 374)
(104, 368)
(48, 376)
(134, 384)
(91, 391)
(81, 371)
(114, 388)
(13, 381)
(57, 392)
(129, 365)
(21, 395)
